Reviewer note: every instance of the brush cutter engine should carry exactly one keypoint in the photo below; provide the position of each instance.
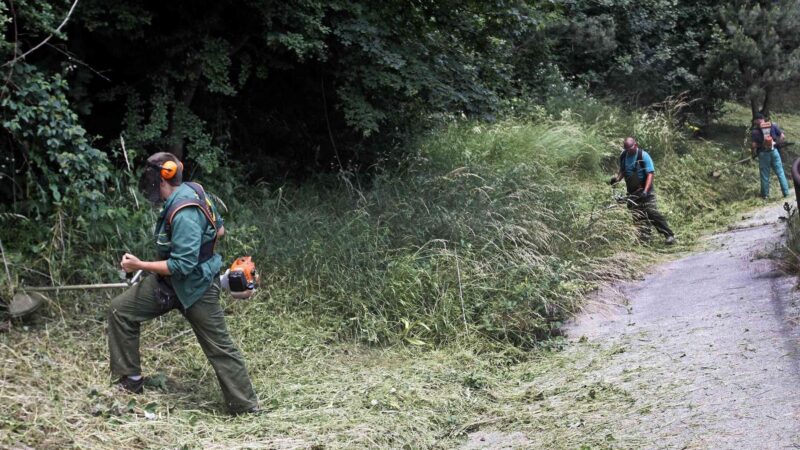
(766, 131)
(241, 279)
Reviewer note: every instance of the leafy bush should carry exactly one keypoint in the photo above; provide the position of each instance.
(61, 167)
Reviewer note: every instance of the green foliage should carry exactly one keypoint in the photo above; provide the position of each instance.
(759, 51)
(36, 19)
(215, 60)
(643, 51)
(260, 80)
(64, 170)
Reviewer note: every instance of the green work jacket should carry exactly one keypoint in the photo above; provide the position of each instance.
(190, 229)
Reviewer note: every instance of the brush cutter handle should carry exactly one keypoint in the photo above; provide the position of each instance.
(135, 278)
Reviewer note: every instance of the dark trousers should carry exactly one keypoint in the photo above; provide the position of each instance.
(139, 304)
(645, 213)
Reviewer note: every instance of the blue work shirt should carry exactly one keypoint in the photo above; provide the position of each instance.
(758, 136)
(630, 163)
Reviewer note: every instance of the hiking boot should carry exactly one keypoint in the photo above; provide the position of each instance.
(255, 410)
(129, 385)
(670, 240)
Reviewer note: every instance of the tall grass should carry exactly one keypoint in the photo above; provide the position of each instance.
(485, 229)
(492, 229)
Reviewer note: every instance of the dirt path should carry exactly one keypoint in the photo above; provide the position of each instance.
(712, 339)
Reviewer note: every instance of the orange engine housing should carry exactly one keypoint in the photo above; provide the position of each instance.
(766, 130)
(243, 275)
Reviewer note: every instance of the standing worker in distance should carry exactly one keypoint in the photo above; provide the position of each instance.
(186, 278)
(767, 139)
(637, 169)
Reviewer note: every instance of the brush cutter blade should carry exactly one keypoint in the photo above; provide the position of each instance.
(24, 303)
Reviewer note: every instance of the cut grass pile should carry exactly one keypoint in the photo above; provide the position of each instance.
(318, 394)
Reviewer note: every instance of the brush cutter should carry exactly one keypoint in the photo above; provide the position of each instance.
(240, 280)
(621, 199)
(718, 173)
(29, 299)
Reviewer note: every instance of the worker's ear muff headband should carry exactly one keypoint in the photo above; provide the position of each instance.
(168, 169)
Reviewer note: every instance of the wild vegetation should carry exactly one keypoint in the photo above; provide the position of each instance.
(286, 90)
(496, 230)
(423, 187)
(344, 265)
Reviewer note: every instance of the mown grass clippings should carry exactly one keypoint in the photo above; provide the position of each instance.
(55, 391)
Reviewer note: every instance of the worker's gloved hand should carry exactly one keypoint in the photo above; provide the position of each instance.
(612, 181)
(636, 196)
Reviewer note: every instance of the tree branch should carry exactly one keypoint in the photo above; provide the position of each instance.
(73, 58)
(16, 46)
(328, 121)
(58, 30)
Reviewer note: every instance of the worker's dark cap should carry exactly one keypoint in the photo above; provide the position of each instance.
(758, 116)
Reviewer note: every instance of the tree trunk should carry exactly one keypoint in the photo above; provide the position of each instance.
(767, 101)
(176, 148)
(178, 142)
(753, 107)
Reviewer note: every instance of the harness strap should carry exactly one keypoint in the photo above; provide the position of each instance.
(207, 249)
(639, 160)
(632, 181)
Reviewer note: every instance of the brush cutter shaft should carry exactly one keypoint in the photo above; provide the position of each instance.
(76, 287)
(86, 287)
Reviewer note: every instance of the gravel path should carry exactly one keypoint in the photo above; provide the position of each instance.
(711, 342)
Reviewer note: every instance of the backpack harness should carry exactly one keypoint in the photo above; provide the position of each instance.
(207, 249)
(632, 181)
(767, 143)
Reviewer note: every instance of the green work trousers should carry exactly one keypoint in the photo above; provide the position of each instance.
(139, 304)
(769, 160)
(646, 213)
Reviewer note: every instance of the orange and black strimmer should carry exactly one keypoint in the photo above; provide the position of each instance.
(243, 275)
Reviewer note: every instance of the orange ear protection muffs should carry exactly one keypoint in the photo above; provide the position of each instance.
(169, 169)
(154, 174)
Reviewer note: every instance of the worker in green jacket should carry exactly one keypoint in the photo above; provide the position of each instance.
(185, 277)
